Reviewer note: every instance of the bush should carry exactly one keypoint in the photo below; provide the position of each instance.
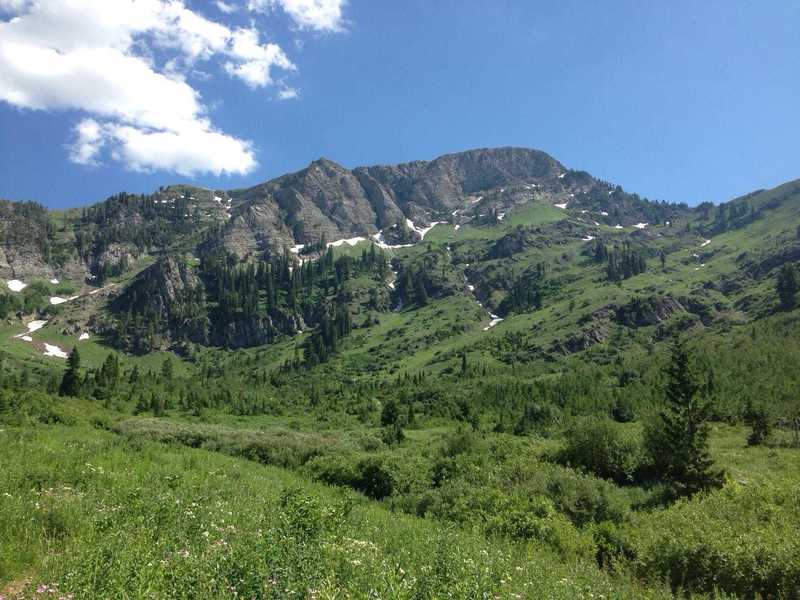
(734, 540)
(585, 499)
(374, 478)
(334, 469)
(599, 446)
(536, 519)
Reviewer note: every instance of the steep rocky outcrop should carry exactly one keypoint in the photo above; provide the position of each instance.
(27, 241)
(257, 330)
(163, 304)
(328, 201)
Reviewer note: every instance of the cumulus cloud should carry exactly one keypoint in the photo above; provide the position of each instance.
(253, 61)
(88, 142)
(320, 15)
(99, 57)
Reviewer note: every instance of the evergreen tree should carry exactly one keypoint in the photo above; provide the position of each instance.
(787, 286)
(678, 438)
(167, 371)
(390, 413)
(760, 424)
(71, 382)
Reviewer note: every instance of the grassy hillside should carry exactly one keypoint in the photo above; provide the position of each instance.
(474, 414)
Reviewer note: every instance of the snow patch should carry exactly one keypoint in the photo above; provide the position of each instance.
(83, 336)
(561, 176)
(604, 213)
(422, 231)
(349, 241)
(32, 326)
(27, 338)
(15, 285)
(617, 226)
(55, 281)
(54, 351)
(457, 227)
(380, 241)
(588, 238)
(705, 243)
(640, 225)
(562, 206)
(500, 216)
(296, 248)
(495, 320)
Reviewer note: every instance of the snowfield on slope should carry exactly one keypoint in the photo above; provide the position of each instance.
(54, 351)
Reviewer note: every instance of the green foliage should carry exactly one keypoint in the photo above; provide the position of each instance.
(71, 382)
(677, 441)
(733, 540)
(787, 285)
(760, 422)
(623, 262)
(599, 446)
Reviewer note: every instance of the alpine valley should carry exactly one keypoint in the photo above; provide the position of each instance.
(482, 376)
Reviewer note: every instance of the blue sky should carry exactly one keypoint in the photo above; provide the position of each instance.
(682, 101)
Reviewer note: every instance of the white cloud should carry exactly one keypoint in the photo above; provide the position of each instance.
(288, 93)
(254, 60)
(225, 7)
(88, 142)
(184, 152)
(320, 15)
(98, 57)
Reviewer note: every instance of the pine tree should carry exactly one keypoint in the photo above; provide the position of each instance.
(71, 382)
(760, 424)
(167, 371)
(787, 286)
(390, 413)
(678, 439)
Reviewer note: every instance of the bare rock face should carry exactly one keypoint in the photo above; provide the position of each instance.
(258, 330)
(169, 296)
(26, 241)
(328, 201)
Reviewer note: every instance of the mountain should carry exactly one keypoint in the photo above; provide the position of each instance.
(486, 361)
(510, 232)
(325, 201)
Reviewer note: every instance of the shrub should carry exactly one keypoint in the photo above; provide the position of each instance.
(374, 478)
(599, 446)
(734, 540)
(536, 518)
(585, 499)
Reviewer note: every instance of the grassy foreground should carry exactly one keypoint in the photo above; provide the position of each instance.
(85, 513)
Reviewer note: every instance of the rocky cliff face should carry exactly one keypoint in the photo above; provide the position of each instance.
(26, 241)
(164, 303)
(323, 201)
(328, 201)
